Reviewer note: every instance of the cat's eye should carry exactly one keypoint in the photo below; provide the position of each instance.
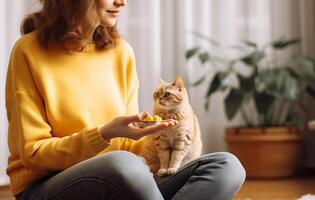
(156, 95)
(167, 94)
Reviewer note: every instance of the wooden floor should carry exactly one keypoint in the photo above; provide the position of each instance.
(277, 189)
(5, 194)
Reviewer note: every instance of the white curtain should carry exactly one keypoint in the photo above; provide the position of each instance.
(161, 31)
(11, 14)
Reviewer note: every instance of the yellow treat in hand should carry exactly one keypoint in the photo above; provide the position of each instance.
(153, 118)
(157, 118)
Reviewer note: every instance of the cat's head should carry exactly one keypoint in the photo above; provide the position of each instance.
(170, 95)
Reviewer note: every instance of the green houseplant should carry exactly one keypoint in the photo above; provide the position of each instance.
(266, 97)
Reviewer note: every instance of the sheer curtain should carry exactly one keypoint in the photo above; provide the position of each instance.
(161, 31)
(11, 15)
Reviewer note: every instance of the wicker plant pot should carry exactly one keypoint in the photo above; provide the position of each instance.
(265, 152)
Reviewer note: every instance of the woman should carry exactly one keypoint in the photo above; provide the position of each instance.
(71, 97)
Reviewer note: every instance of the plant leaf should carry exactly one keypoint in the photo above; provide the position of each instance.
(263, 102)
(291, 88)
(293, 73)
(211, 41)
(199, 81)
(247, 84)
(283, 43)
(216, 83)
(191, 52)
(283, 82)
(231, 64)
(238, 47)
(310, 81)
(280, 81)
(223, 88)
(310, 91)
(253, 58)
(271, 79)
(214, 86)
(307, 64)
(250, 43)
(296, 120)
(204, 57)
(233, 103)
(207, 104)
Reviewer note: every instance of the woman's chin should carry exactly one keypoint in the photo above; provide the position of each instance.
(110, 22)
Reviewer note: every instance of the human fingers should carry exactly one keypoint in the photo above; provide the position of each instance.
(171, 120)
(134, 118)
(153, 129)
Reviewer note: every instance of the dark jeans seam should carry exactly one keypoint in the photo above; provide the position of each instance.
(188, 166)
(82, 179)
(175, 197)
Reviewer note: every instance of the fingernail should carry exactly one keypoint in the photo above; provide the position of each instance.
(143, 114)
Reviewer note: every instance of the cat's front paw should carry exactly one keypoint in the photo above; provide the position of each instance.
(162, 172)
(171, 171)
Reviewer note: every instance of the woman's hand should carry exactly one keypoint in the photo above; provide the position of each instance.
(123, 127)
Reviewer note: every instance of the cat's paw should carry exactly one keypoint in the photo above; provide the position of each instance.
(171, 171)
(162, 172)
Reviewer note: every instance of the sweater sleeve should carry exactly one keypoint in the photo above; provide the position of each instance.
(29, 130)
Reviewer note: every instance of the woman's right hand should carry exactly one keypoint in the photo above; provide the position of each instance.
(123, 127)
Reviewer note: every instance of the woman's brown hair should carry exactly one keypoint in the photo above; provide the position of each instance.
(69, 23)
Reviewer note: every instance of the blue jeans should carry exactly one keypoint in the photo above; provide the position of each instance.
(121, 175)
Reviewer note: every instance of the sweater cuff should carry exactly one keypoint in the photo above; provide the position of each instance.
(96, 140)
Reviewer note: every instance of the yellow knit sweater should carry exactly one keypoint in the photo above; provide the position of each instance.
(56, 102)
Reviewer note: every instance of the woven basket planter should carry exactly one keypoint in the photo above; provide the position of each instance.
(265, 152)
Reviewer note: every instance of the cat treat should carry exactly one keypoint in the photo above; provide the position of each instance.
(149, 121)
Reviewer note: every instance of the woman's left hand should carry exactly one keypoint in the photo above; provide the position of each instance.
(123, 127)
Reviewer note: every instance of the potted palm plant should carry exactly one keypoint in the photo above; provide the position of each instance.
(265, 88)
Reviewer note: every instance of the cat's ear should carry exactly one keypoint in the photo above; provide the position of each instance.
(179, 83)
(160, 81)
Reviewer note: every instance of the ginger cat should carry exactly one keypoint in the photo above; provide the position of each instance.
(169, 149)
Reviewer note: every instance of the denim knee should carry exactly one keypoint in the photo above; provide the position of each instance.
(118, 174)
(130, 173)
(122, 165)
(216, 176)
(233, 175)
